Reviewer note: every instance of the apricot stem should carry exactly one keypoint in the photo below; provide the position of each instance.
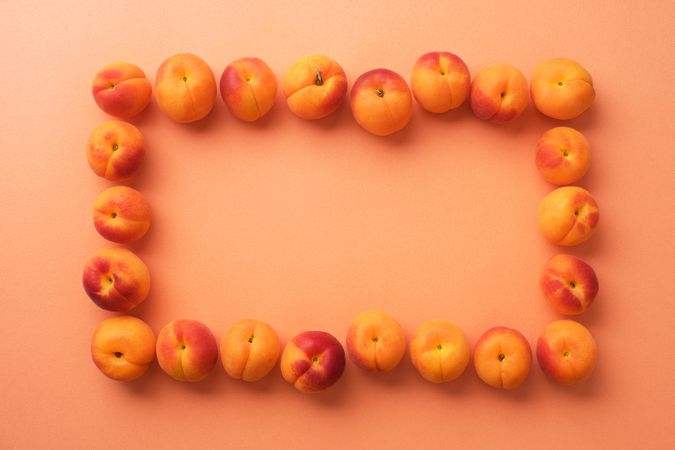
(113, 215)
(250, 340)
(439, 347)
(118, 354)
(501, 357)
(315, 359)
(319, 79)
(379, 92)
(185, 79)
(573, 284)
(115, 147)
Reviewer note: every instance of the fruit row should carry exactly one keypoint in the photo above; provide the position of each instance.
(124, 347)
(315, 86)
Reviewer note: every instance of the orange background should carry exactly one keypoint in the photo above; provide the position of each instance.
(306, 224)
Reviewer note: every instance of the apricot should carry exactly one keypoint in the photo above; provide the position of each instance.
(249, 350)
(568, 216)
(116, 279)
(381, 102)
(121, 89)
(121, 214)
(187, 350)
(375, 341)
(439, 351)
(312, 361)
(186, 88)
(502, 358)
(561, 89)
(248, 88)
(123, 347)
(566, 352)
(315, 86)
(440, 81)
(115, 150)
(569, 284)
(499, 93)
(562, 155)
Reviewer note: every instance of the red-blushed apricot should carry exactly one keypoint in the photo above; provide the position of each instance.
(312, 361)
(439, 351)
(249, 350)
(562, 89)
(123, 347)
(121, 214)
(115, 150)
(568, 284)
(248, 88)
(381, 102)
(499, 93)
(116, 279)
(187, 350)
(315, 86)
(566, 352)
(375, 341)
(562, 155)
(440, 81)
(121, 89)
(185, 88)
(568, 216)
(502, 358)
